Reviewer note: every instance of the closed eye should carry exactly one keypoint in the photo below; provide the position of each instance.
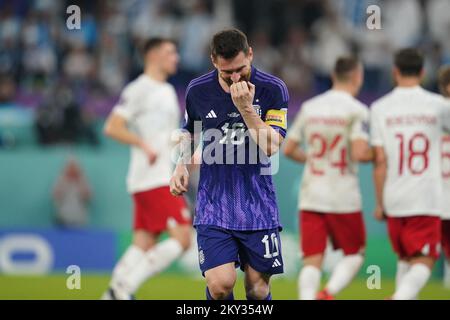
(238, 70)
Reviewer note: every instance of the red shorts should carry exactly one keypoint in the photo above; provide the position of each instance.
(156, 210)
(446, 237)
(346, 231)
(415, 235)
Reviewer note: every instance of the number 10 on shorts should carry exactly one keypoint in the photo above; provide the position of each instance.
(275, 250)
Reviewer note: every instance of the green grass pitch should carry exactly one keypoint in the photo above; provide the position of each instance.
(172, 286)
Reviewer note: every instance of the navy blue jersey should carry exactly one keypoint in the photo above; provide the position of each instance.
(235, 190)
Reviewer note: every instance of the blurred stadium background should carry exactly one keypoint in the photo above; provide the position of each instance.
(57, 86)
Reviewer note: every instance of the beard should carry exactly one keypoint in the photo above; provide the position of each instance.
(244, 77)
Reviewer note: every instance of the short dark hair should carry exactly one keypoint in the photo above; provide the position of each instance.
(344, 66)
(444, 80)
(228, 43)
(409, 62)
(154, 43)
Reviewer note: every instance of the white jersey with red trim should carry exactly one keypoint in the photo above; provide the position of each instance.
(152, 112)
(326, 125)
(409, 123)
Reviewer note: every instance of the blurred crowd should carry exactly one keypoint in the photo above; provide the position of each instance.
(303, 38)
(71, 77)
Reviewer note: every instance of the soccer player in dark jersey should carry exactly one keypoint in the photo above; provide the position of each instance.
(242, 112)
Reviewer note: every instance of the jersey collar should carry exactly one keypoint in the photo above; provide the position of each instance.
(341, 92)
(407, 89)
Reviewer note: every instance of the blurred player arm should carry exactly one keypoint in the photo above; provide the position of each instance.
(293, 144)
(361, 151)
(116, 127)
(267, 138)
(294, 151)
(360, 148)
(379, 178)
(379, 161)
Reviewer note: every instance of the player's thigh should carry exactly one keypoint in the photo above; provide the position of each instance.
(395, 226)
(216, 247)
(257, 284)
(313, 233)
(144, 239)
(176, 210)
(261, 250)
(147, 212)
(347, 232)
(255, 278)
(222, 277)
(421, 237)
(156, 210)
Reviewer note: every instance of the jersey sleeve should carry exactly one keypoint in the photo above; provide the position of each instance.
(376, 137)
(360, 125)
(276, 115)
(295, 132)
(128, 104)
(189, 114)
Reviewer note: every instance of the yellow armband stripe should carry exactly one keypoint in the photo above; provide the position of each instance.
(276, 118)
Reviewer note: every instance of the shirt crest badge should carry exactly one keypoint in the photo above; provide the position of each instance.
(257, 109)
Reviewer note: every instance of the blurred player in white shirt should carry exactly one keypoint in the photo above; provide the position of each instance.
(407, 125)
(145, 118)
(444, 86)
(333, 127)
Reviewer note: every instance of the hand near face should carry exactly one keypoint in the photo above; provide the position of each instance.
(242, 94)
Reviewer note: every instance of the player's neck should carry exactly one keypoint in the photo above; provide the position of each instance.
(155, 74)
(408, 82)
(344, 88)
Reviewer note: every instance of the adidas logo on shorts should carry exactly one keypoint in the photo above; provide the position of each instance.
(276, 263)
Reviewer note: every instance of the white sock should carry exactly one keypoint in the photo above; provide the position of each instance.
(402, 269)
(308, 282)
(155, 260)
(412, 282)
(344, 272)
(129, 260)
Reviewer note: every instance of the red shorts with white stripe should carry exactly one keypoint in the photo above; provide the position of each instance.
(415, 236)
(446, 237)
(346, 231)
(157, 210)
